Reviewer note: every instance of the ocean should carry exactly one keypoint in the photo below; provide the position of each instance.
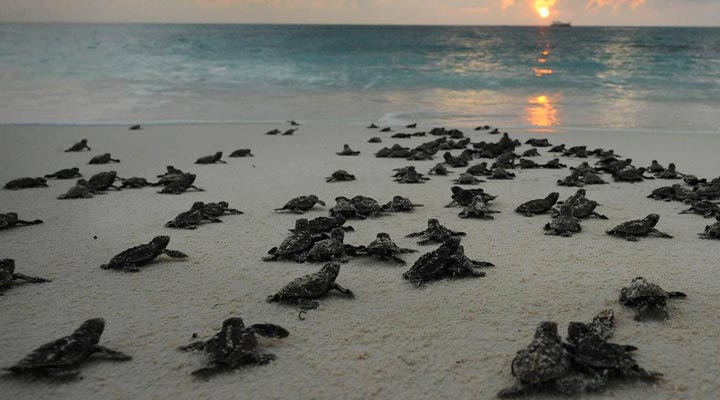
(541, 78)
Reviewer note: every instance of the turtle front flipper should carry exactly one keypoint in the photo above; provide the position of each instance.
(518, 390)
(574, 384)
(343, 290)
(196, 188)
(29, 279)
(193, 346)
(234, 211)
(598, 216)
(174, 253)
(674, 295)
(22, 222)
(109, 354)
(308, 304)
(209, 371)
(660, 234)
(270, 330)
(651, 312)
(398, 260)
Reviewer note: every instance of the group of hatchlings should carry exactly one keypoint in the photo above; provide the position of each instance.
(586, 361)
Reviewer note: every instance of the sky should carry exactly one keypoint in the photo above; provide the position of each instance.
(449, 12)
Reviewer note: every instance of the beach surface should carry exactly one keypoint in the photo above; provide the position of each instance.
(449, 339)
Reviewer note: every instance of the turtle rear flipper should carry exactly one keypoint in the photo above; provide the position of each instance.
(308, 304)
(660, 234)
(209, 372)
(110, 354)
(269, 330)
(651, 313)
(35, 222)
(30, 279)
(574, 384)
(174, 253)
(518, 390)
(674, 295)
(349, 293)
(193, 346)
(398, 259)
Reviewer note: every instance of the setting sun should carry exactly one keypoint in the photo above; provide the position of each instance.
(544, 12)
(543, 7)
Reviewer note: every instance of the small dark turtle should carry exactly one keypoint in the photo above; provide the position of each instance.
(505, 160)
(215, 158)
(439, 169)
(711, 231)
(495, 131)
(321, 225)
(419, 156)
(528, 164)
(501, 173)
(531, 153)
(448, 261)
(347, 151)
(538, 142)
(669, 173)
(273, 132)
(103, 159)
(10, 220)
(557, 149)
(554, 164)
(289, 132)
(366, 206)
(478, 169)
(591, 178)
(235, 346)
(135, 128)
(375, 140)
(400, 204)
(26, 183)
(435, 233)
(192, 218)
(538, 206)
(103, 181)
(345, 208)
(293, 123)
(402, 136)
(131, 259)
(219, 209)
(181, 184)
(705, 208)
(373, 126)
(463, 197)
(340, 176)
(582, 207)
(241, 153)
(693, 180)
(455, 162)
(79, 146)
(79, 191)
(68, 173)
(294, 246)
(572, 180)
(648, 299)
(655, 167)
(8, 276)
(411, 126)
(170, 176)
(467, 179)
(483, 128)
(477, 209)
(631, 230)
(666, 193)
(576, 151)
(305, 290)
(61, 358)
(410, 175)
(388, 129)
(330, 249)
(135, 183)
(563, 224)
(384, 249)
(630, 175)
(301, 204)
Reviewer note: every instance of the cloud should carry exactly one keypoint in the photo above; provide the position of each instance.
(504, 4)
(615, 4)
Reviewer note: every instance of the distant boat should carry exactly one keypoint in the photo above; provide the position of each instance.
(560, 24)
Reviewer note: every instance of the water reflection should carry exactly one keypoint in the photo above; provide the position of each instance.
(541, 111)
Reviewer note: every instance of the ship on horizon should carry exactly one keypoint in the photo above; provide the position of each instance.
(561, 24)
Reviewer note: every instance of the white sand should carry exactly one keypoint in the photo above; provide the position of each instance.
(452, 339)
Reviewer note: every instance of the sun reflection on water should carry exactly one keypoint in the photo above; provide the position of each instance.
(541, 111)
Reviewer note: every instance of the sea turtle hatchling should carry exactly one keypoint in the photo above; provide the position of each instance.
(439, 169)
(467, 179)
(26, 183)
(67, 173)
(301, 204)
(171, 175)
(538, 206)
(132, 259)
(305, 291)
(181, 184)
(400, 204)
(135, 183)
(648, 299)
(62, 357)
(241, 153)
(554, 164)
(410, 175)
(328, 249)
(192, 218)
(655, 167)
(631, 230)
(103, 181)
(711, 231)
(321, 225)
(79, 191)
(447, 261)
(531, 153)
(219, 209)
(582, 207)
(340, 176)
(477, 209)
(669, 173)
(500, 174)
(212, 159)
(235, 346)
(705, 208)
(563, 224)
(435, 233)
(103, 159)
(366, 207)
(385, 249)
(79, 146)
(347, 151)
(10, 220)
(296, 245)
(464, 197)
(9, 278)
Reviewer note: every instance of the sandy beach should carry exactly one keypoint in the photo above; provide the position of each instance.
(449, 339)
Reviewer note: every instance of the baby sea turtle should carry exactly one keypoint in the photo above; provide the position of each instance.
(10, 220)
(478, 169)
(8, 276)
(631, 230)
(582, 207)
(572, 180)
(26, 183)
(219, 209)
(711, 231)
(439, 169)
(192, 218)
(554, 164)
(103, 159)
(501, 173)
(435, 233)
(464, 197)
(273, 132)
(289, 132)
(467, 179)
(305, 290)
(321, 225)
(477, 209)
(455, 162)
(538, 142)
(67, 173)
(557, 149)
(235, 346)
(576, 151)
(135, 128)
(528, 164)
(215, 158)
(340, 176)
(410, 175)
(347, 151)
(79, 146)
(181, 184)
(135, 183)
(531, 153)
(538, 206)
(301, 204)
(375, 140)
(385, 249)
(448, 261)
(241, 153)
(330, 249)
(131, 259)
(296, 245)
(386, 129)
(170, 176)
(345, 208)
(402, 136)
(705, 208)
(366, 207)
(630, 175)
(669, 173)
(563, 224)
(61, 358)
(400, 204)
(79, 191)
(655, 167)
(103, 181)
(648, 299)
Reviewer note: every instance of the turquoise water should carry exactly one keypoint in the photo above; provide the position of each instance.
(625, 78)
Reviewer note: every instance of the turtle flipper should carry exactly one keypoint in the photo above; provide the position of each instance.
(209, 371)
(344, 291)
(197, 188)
(30, 279)
(269, 330)
(174, 253)
(674, 295)
(111, 354)
(518, 390)
(398, 260)
(660, 234)
(193, 346)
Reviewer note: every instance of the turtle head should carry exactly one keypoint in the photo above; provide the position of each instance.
(331, 269)
(312, 197)
(197, 205)
(652, 219)
(81, 182)
(383, 235)
(553, 197)
(75, 169)
(346, 147)
(577, 331)
(233, 323)
(447, 155)
(654, 162)
(7, 265)
(302, 224)
(160, 242)
(218, 154)
(11, 216)
(547, 330)
(581, 192)
(433, 222)
(453, 242)
(224, 204)
(398, 198)
(456, 190)
(641, 170)
(338, 234)
(83, 141)
(671, 166)
(92, 328)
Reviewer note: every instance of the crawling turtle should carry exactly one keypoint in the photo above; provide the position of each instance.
(135, 183)
(366, 207)
(655, 167)
(301, 204)
(435, 233)
(571, 180)
(463, 197)
(173, 174)
(410, 175)
(439, 169)
(235, 346)
(467, 179)
(648, 299)
(289, 131)
(387, 129)
(61, 358)
(531, 153)
(557, 149)
(295, 246)
(554, 164)
(103, 159)
(273, 132)
(321, 225)
(330, 249)
(505, 160)
(132, 259)
(375, 140)
(8, 276)
(448, 261)
(478, 169)
(669, 173)
(345, 208)
(455, 162)
(400, 204)
(538, 142)
(26, 183)
(591, 178)
(538, 206)
(712, 231)
(181, 184)
(10, 220)
(67, 173)
(705, 208)
(631, 230)
(501, 173)
(581, 206)
(563, 224)
(215, 158)
(528, 164)
(219, 209)
(135, 128)
(103, 181)
(576, 151)
(305, 290)
(293, 123)
(477, 209)
(241, 153)
(630, 175)
(79, 191)
(340, 176)
(79, 146)
(192, 218)
(347, 151)
(674, 192)
(385, 249)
